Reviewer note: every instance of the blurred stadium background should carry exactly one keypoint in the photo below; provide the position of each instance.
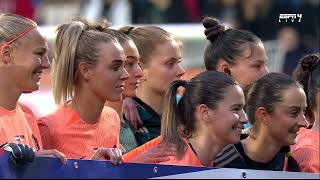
(285, 42)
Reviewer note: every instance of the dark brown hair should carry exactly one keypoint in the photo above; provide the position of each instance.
(308, 74)
(207, 88)
(227, 44)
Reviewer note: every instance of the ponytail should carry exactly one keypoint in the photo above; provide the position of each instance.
(307, 73)
(76, 42)
(178, 119)
(171, 118)
(64, 60)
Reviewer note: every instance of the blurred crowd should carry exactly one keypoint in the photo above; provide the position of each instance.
(258, 16)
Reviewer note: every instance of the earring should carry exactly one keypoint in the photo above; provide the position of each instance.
(226, 70)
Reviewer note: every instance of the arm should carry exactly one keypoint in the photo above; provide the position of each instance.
(155, 155)
(152, 152)
(131, 113)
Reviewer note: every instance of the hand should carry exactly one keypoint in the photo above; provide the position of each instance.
(112, 154)
(157, 154)
(20, 154)
(131, 112)
(52, 153)
(123, 150)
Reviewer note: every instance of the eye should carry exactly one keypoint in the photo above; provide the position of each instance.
(116, 67)
(237, 109)
(294, 113)
(304, 111)
(170, 64)
(128, 65)
(258, 66)
(40, 53)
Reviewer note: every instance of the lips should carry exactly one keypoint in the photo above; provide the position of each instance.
(37, 75)
(294, 130)
(135, 84)
(120, 86)
(238, 128)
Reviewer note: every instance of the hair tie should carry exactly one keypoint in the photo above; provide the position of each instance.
(130, 29)
(17, 37)
(289, 154)
(127, 29)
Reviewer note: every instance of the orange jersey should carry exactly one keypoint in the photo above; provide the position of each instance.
(65, 131)
(306, 151)
(141, 149)
(188, 159)
(19, 126)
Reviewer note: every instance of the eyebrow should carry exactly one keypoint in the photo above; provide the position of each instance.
(295, 107)
(41, 49)
(173, 59)
(118, 61)
(134, 57)
(261, 61)
(237, 105)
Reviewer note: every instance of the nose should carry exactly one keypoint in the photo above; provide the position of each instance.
(265, 71)
(138, 72)
(45, 64)
(243, 117)
(303, 121)
(124, 75)
(180, 71)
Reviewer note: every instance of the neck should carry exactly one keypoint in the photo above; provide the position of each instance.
(153, 99)
(261, 149)
(206, 148)
(316, 124)
(117, 106)
(8, 96)
(87, 105)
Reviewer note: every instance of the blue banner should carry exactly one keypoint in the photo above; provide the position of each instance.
(48, 168)
(82, 169)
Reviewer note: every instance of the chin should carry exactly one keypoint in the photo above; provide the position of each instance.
(31, 89)
(129, 94)
(234, 140)
(292, 141)
(114, 98)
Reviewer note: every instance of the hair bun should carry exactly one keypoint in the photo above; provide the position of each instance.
(309, 62)
(82, 22)
(213, 28)
(100, 26)
(126, 29)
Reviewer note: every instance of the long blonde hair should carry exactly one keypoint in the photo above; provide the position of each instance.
(75, 43)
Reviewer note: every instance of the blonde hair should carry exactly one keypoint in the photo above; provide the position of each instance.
(11, 25)
(76, 42)
(146, 38)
